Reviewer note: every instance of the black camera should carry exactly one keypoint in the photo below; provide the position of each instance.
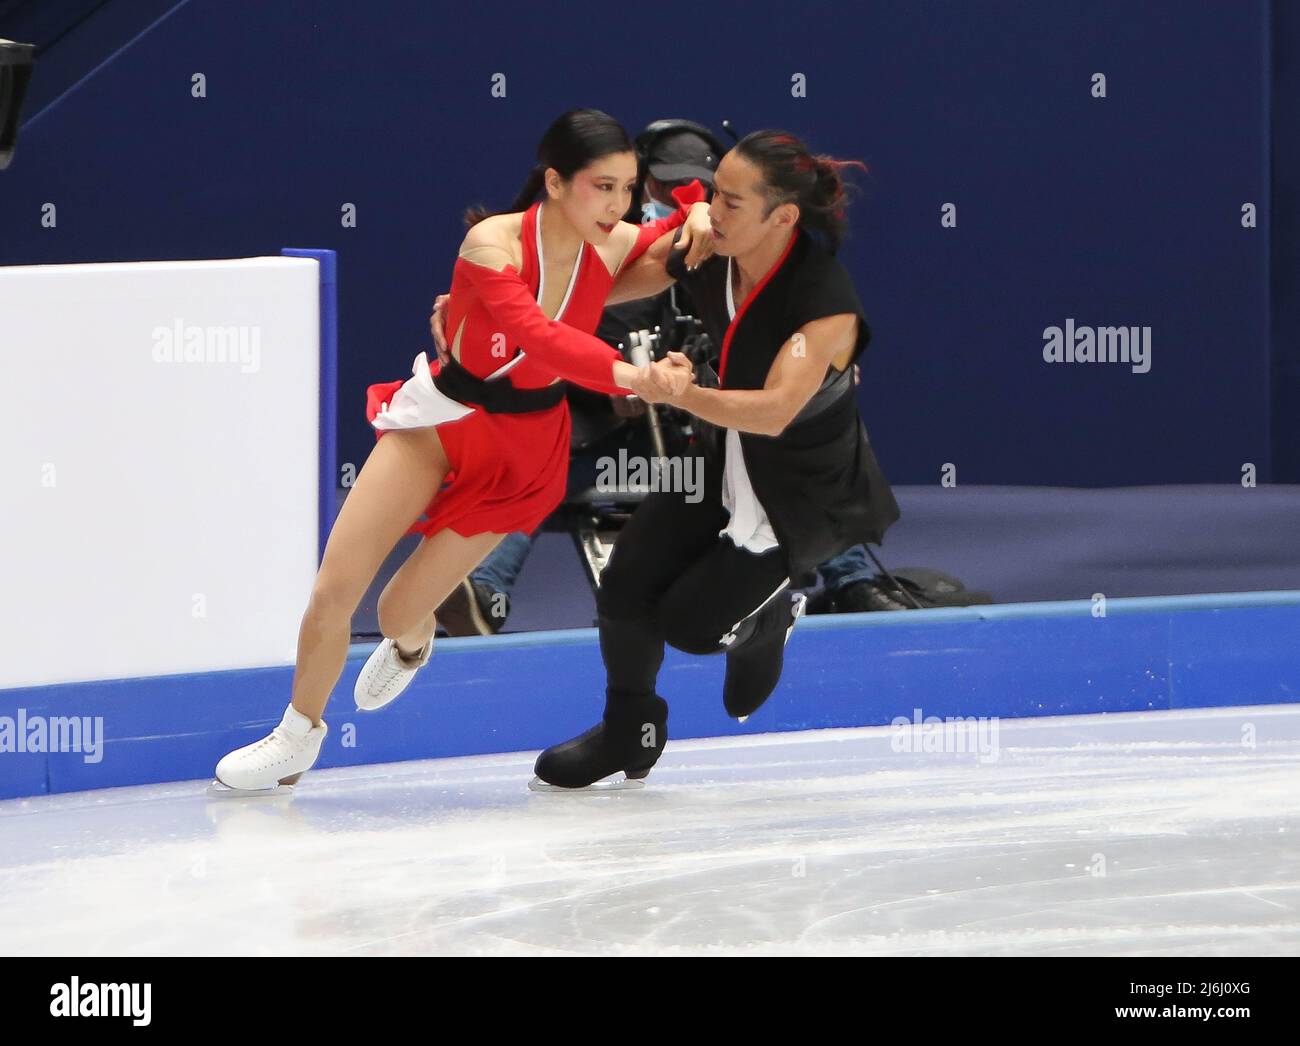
(15, 72)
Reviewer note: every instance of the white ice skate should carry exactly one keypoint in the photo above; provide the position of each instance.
(272, 765)
(386, 674)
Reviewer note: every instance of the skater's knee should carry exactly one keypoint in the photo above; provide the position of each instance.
(617, 595)
(693, 642)
(332, 599)
(399, 615)
(684, 631)
(398, 619)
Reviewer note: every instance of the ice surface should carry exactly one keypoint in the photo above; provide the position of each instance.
(1156, 833)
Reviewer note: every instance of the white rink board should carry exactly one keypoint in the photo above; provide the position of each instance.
(160, 515)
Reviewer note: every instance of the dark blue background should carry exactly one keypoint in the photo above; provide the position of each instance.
(1120, 211)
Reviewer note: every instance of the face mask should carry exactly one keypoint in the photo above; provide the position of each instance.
(653, 210)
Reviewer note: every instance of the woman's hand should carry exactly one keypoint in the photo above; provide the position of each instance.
(696, 236)
(664, 381)
(438, 328)
(675, 376)
(646, 386)
(668, 378)
(683, 371)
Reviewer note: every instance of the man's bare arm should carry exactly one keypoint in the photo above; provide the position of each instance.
(794, 377)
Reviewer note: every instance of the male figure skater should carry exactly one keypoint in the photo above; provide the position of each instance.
(790, 477)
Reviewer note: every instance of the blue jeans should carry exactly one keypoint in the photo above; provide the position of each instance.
(499, 571)
(846, 569)
(501, 568)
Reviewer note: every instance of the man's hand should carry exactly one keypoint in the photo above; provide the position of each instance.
(437, 326)
(683, 370)
(664, 380)
(695, 236)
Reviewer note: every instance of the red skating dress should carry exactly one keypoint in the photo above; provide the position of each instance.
(509, 471)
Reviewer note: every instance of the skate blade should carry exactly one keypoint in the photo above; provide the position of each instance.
(217, 790)
(613, 784)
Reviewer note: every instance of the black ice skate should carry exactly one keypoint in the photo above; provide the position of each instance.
(628, 740)
(754, 667)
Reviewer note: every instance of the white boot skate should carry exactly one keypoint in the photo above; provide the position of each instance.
(386, 674)
(272, 765)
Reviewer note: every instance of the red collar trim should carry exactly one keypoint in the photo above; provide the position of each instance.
(740, 313)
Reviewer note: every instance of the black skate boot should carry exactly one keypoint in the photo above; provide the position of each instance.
(754, 667)
(630, 738)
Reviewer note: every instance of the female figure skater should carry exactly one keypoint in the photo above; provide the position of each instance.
(492, 423)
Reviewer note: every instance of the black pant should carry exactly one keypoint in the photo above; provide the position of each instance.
(672, 578)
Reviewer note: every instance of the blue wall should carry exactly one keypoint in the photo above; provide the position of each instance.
(1119, 211)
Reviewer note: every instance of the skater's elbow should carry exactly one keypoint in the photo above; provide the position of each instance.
(783, 413)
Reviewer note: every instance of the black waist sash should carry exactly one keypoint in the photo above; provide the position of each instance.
(495, 397)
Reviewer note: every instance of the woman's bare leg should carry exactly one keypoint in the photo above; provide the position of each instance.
(408, 602)
(400, 477)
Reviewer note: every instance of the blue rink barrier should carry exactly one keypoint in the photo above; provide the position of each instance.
(521, 692)
(327, 474)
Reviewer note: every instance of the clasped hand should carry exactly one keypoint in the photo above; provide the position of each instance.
(661, 382)
(664, 380)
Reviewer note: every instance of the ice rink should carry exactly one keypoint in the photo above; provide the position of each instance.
(1162, 833)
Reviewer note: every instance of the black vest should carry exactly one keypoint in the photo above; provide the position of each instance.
(818, 481)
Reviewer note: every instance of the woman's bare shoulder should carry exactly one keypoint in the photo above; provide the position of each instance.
(619, 245)
(494, 242)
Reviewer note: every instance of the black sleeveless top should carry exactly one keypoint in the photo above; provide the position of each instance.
(818, 481)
